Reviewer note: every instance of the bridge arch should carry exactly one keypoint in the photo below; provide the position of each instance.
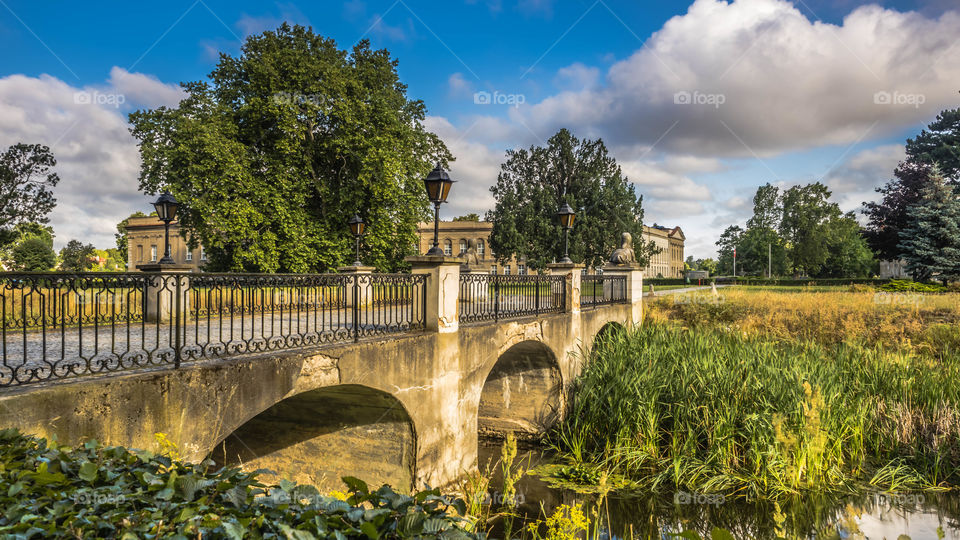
(607, 332)
(522, 392)
(318, 436)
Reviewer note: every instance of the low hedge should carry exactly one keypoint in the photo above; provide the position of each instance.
(53, 491)
(749, 280)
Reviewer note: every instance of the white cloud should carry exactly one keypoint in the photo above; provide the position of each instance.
(786, 83)
(97, 158)
(855, 180)
(577, 76)
(475, 169)
(459, 86)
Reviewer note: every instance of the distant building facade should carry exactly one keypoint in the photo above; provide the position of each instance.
(669, 262)
(145, 244)
(454, 236)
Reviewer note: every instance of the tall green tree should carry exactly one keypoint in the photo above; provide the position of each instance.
(939, 145)
(33, 254)
(286, 141)
(806, 211)
(26, 187)
(931, 240)
(726, 249)
(887, 217)
(761, 246)
(848, 254)
(77, 256)
(534, 183)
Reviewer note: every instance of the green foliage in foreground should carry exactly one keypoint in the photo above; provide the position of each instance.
(715, 411)
(112, 492)
(905, 285)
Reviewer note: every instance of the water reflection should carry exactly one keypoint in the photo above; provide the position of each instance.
(865, 516)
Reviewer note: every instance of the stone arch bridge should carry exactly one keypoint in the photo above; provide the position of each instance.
(405, 409)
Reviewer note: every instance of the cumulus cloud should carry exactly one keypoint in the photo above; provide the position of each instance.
(97, 158)
(856, 179)
(459, 86)
(475, 169)
(757, 77)
(577, 76)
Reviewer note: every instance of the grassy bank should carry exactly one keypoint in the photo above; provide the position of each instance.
(739, 412)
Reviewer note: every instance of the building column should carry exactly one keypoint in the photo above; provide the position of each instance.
(573, 274)
(442, 291)
(359, 290)
(166, 292)
(634, 276)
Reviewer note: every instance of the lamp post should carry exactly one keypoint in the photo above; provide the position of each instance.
(438, 184)
(166, 207)
(567, 215)
(356, 227)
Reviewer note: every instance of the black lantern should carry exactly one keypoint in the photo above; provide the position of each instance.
(356, 227)
(438, 184)
(166, 207)
(567, 215)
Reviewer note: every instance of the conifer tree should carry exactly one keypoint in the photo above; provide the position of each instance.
(931, 240)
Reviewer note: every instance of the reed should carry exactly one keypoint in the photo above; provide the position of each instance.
(724, 410)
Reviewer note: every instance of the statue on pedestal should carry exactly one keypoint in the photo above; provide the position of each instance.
(470, 257)
(625, 254)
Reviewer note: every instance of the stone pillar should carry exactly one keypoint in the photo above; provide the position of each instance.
(634, 276)
(442, 291)
(365, 289)
(164, 283)
(574, 277)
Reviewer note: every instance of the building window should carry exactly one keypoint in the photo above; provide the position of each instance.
(463, 247)
(447, 248)
(506, 269)
(481, 248)
(189, 254)
(153, 253)
(521, 269)
(140, 253)
(493, 270)
(203, 254)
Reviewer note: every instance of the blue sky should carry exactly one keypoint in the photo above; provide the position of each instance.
(779, 91)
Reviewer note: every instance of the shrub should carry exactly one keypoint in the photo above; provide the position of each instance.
(97, 491)
(905, 285)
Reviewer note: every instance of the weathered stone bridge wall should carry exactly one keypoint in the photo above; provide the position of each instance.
(405, 409)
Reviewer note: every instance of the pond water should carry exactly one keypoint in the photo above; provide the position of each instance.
(917, 516)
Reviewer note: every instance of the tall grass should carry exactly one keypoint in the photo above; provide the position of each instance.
(719, 411)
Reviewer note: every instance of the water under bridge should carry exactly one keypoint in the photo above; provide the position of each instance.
(387, 377)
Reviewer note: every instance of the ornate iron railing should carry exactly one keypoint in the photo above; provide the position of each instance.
(598, 289)
(56, 326)
(493, 297)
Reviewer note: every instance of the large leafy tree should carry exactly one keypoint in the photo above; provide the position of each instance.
(761, 247)
(33, 254)
(806, 211)
(848, 254)
(534, 183)
(26, 187)
(272, 156)
(77, 256)
(931, 240)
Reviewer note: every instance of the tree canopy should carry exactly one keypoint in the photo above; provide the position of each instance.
(534, 183)
(77, 256)
(121, 236)
(26, 184)
(33, 254)
(930, 242)
(286, 141)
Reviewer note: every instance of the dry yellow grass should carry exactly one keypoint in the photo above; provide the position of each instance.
(928, 323)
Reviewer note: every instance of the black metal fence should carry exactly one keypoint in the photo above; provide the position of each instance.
(598, 289)
(493, 297)
(55, 326)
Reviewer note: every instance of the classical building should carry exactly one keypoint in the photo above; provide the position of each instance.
(669, 262)
(453, 241)
(455, 234)
(145, 244)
